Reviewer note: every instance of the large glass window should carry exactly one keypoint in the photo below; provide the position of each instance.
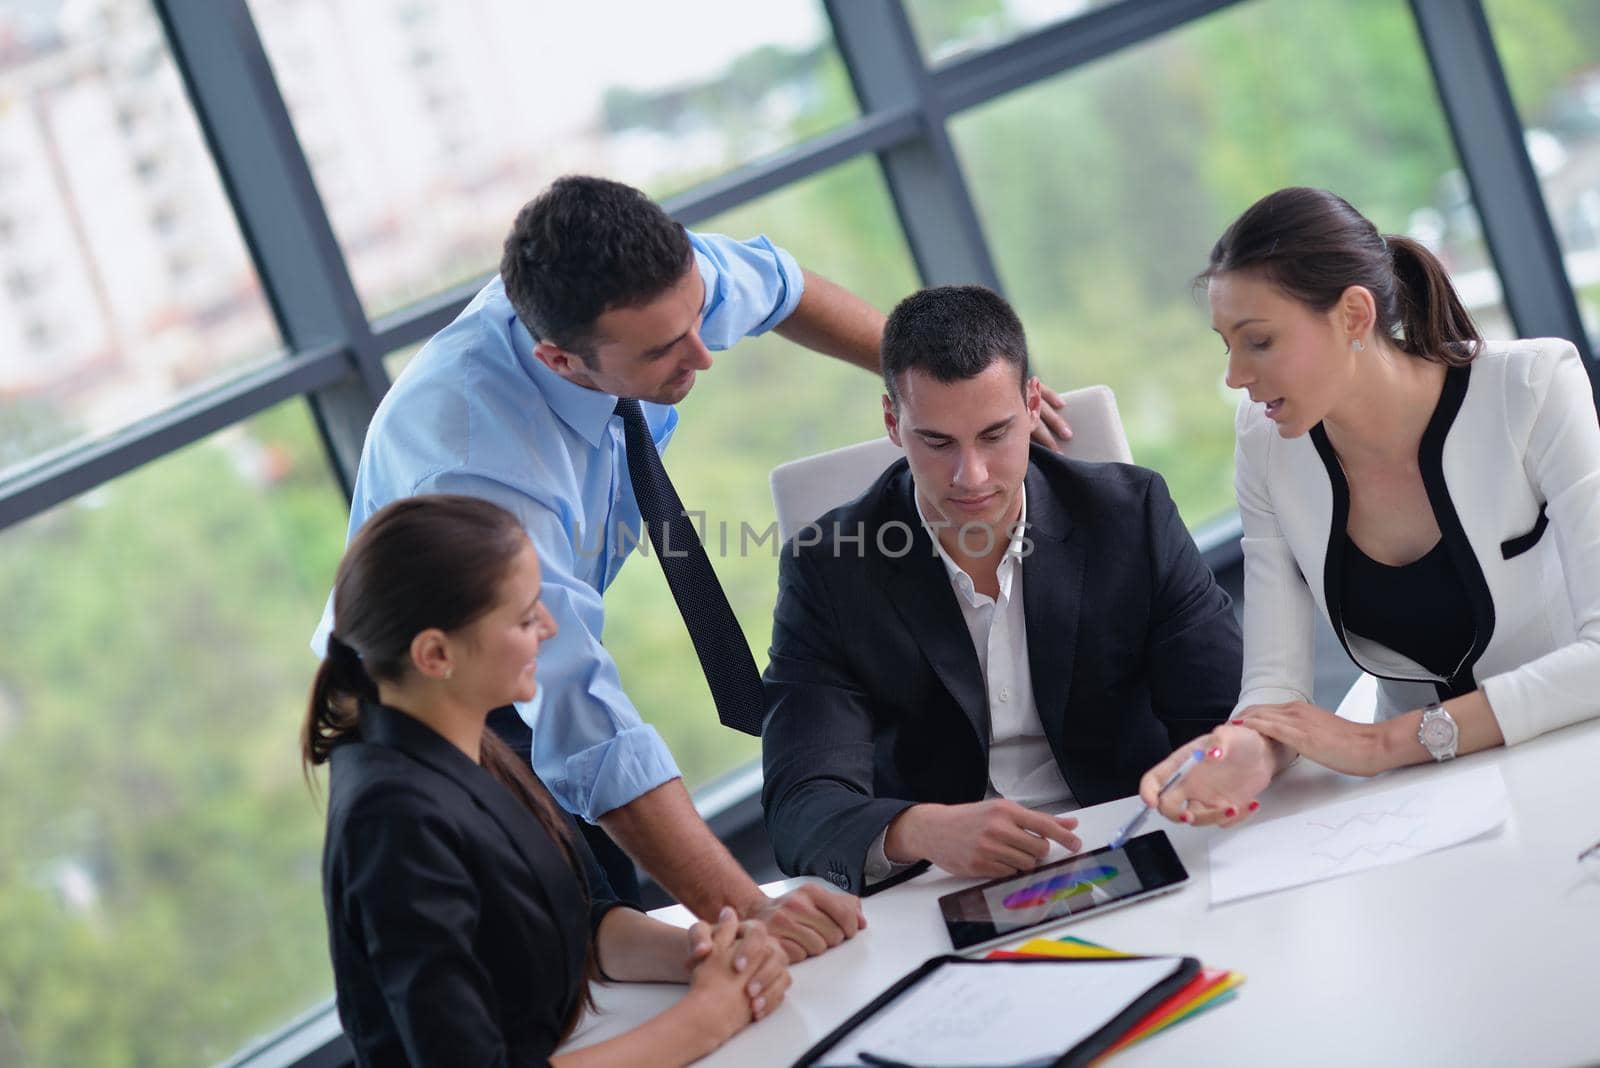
(766, 401)
(950, 29)
(1550, 50)
(1098, 231)
(123, 280)
(428, 123)
(159, 850)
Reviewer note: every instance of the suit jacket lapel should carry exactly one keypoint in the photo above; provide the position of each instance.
(549, 867)
(1052, 590)
(919, 588)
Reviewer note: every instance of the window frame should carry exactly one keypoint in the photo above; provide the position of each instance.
(334, 353)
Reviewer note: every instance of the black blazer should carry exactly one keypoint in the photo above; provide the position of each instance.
(875, 696)
(457, 929)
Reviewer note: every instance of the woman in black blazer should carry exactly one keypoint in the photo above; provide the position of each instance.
(465, 917)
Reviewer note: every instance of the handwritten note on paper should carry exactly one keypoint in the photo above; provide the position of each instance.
(1000, 1014)
(1351, 836)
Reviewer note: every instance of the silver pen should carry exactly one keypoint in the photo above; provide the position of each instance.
(1120, 839)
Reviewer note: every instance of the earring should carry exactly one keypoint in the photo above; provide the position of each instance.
(449, 670)
(1356, 345)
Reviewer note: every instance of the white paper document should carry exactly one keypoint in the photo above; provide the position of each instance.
(1011, 1014)
(1351, 836)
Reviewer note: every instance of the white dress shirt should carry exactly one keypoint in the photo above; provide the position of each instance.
(1022, 767)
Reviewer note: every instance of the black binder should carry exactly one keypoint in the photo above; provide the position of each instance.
(1079, 1055)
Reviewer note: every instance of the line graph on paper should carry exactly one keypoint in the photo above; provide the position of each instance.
(1369, 834)
(1345, 837)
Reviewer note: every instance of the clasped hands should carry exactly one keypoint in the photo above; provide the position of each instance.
(738, 953)
(750, 957)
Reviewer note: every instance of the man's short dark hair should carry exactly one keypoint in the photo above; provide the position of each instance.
(952, 333)
(586, 245)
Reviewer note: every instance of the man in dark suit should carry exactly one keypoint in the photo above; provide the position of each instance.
(989, 635)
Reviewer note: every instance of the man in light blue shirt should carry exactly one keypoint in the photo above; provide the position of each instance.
(602, 295)
(626, 303)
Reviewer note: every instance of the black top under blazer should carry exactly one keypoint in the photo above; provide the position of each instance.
(875, 695)
(457, 929)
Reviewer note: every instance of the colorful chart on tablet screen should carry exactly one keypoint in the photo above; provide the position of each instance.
(1060, 887)
(1061, 890)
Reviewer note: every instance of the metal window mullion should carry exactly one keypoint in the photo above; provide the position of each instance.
(1489, 140)
(923, 174)
(876, 133)
(991, 73)
(268, 181)
(82, 469)
(315, 1040)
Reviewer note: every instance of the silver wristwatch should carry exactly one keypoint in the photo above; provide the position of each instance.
(1438, 732)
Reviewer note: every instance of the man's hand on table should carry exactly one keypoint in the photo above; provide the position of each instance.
(985, 838)
(810, 920)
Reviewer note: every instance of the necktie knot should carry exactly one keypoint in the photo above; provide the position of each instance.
(629, 409)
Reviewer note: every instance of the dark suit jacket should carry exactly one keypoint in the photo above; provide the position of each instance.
(457, 929)
(876, 699)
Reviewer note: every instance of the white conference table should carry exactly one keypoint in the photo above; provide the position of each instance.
(1487, 953)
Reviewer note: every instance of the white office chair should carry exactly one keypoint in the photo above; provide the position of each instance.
(804, 489)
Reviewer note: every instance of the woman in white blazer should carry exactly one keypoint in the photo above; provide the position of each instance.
(1436, 497)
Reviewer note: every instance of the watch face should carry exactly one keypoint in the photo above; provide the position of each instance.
(1437, 733)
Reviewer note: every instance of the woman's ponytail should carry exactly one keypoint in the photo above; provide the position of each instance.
(341, 684)
(1433, 321)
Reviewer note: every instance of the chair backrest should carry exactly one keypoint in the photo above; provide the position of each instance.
(804, 489)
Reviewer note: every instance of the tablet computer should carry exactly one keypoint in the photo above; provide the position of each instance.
(1082, 885)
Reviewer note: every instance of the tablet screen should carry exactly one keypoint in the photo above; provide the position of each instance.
(1081, 884)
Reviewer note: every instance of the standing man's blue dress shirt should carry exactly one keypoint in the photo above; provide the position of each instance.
(477, 413)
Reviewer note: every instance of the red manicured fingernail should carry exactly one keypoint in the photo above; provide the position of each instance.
(1230, 812)
(1254, 805)
(1216, 754)
(1188, 817)
(1236, 721)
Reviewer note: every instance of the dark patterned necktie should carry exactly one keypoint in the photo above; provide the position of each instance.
(718, 642)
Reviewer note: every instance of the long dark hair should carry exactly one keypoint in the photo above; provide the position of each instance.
(435, 560)
(1313, 245)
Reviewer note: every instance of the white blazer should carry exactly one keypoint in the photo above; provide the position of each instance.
(1511, 463)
